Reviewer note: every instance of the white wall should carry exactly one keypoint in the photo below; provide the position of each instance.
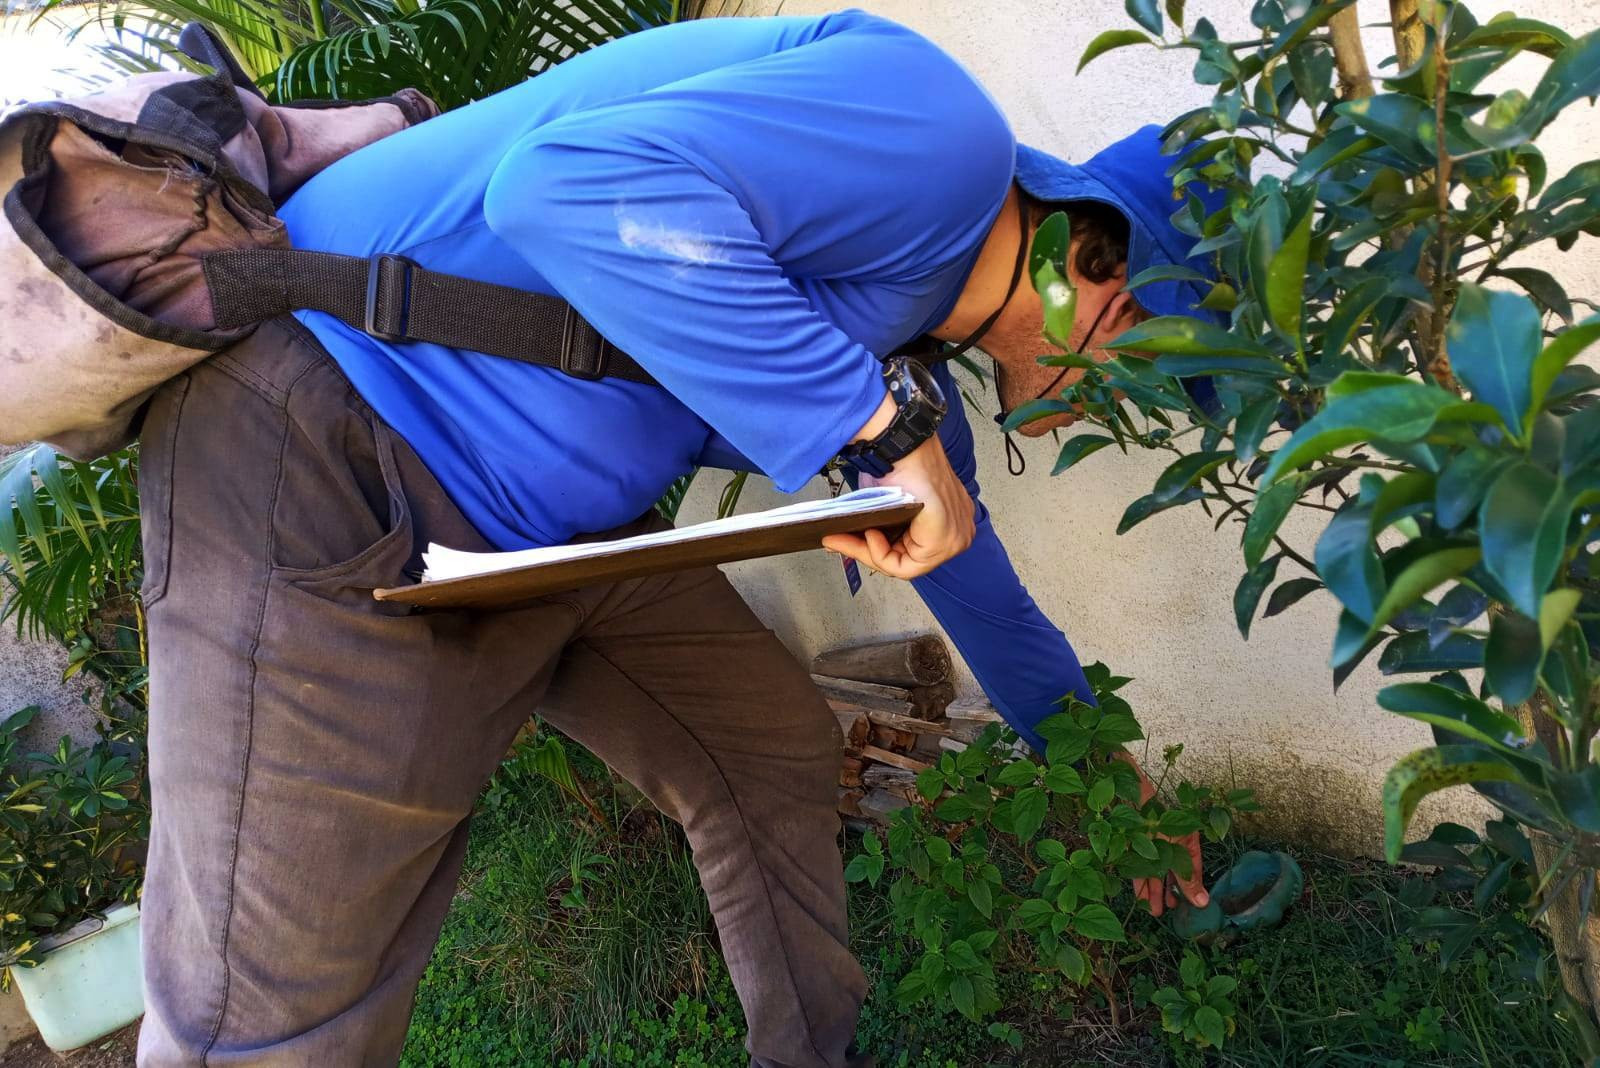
(1155, 603)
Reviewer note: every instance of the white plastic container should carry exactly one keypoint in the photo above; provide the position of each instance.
(89, 981)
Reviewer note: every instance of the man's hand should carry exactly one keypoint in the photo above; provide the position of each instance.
(944, 527)
(1162, 894)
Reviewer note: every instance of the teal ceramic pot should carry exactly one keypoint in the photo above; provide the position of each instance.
(1254, 893)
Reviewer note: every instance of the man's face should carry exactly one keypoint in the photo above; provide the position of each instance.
(1022, 377)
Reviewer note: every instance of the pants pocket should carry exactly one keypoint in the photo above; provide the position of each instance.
(157, 449)
(342, 513)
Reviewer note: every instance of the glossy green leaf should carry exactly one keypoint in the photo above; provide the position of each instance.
(1347, 561)
(1420, 577)
(1556, 355)
(1462, 484)
(982, 897)
(1145, 13)
(1341, 144)
(1519, 33)
(1148, 505)
(1493, 340)
(1247, 595)
(1460, 713)
(1542, 287)
(1555, 612)
(1164, 272)
(1034, 410)
(1348, 315)
(1184, 336)
(1401, 496)
(1253, 426)
(1272, 506)
(1512, 659)
(1185, 471)
(1396, 120)
(964, 997)
(1522, 527)
(1073, 964)
(1108, 40)
(1028, 811)
(1076, 448)
(1254, 366)
(1047, 267)
(1403, 412)
(1414, 652)
(1577, 795)
(1414, 777)
(1099, 923)
(1288, 594)
(1286, 279)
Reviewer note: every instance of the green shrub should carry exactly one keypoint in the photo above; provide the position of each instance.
(1012, 862)
(70, 823)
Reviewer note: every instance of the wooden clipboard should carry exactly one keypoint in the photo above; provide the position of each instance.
(504, 589)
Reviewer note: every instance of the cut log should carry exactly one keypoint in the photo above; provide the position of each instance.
(907, 724)
(883, 775)
(929, 702)
(850, 801)
(866, 694)
(891, 738)
(919, 661)
(954, 745)
(850, 770)
(886, 756)
(856, 727)
(880, 804)
(975, 709)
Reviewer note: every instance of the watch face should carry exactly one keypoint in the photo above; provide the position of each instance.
(927, 385)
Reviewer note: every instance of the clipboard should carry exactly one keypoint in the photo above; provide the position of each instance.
(514, 586)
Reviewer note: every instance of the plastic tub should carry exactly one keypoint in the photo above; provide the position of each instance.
(89, 982)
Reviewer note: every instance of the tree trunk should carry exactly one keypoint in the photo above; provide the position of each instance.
(1349, 57)
(1576, 943)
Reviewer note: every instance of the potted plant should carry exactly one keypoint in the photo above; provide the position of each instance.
(72, 823)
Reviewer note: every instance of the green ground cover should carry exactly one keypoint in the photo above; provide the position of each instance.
(570, 946)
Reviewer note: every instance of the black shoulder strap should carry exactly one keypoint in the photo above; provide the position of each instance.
(392, 298)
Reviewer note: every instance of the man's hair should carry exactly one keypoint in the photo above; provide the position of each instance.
(1099, 234)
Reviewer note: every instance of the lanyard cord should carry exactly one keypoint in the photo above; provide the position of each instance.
(1016, 463)
(1011, 290)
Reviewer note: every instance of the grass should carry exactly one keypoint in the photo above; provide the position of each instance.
(573, 947)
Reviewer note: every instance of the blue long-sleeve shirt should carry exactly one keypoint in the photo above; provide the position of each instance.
(756, 210)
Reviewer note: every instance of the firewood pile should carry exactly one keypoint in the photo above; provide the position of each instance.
(896, 704)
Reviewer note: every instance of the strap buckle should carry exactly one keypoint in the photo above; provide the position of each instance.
(585, 354)
(391, 326)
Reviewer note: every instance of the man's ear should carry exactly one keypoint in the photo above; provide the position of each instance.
(1122, 313)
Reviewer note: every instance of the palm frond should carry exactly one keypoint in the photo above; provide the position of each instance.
(456, 51)
(69, 538)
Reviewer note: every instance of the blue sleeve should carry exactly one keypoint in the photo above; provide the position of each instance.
(679, 220)
(1022, 660)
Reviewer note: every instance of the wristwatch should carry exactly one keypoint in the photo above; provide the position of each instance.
(922, 406)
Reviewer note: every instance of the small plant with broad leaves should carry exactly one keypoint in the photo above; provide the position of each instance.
(71, 824)
(1496, 868)
(1375, 352)
(1010, 861)
(1202, 1009)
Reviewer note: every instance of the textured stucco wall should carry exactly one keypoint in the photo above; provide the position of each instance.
(1155, 603)
(30, 674)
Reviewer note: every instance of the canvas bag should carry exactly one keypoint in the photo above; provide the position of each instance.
(140, 237)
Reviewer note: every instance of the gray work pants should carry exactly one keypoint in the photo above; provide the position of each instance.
(315, 753)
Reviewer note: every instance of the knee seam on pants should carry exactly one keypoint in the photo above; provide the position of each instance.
(743, 825)
(244, 761)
